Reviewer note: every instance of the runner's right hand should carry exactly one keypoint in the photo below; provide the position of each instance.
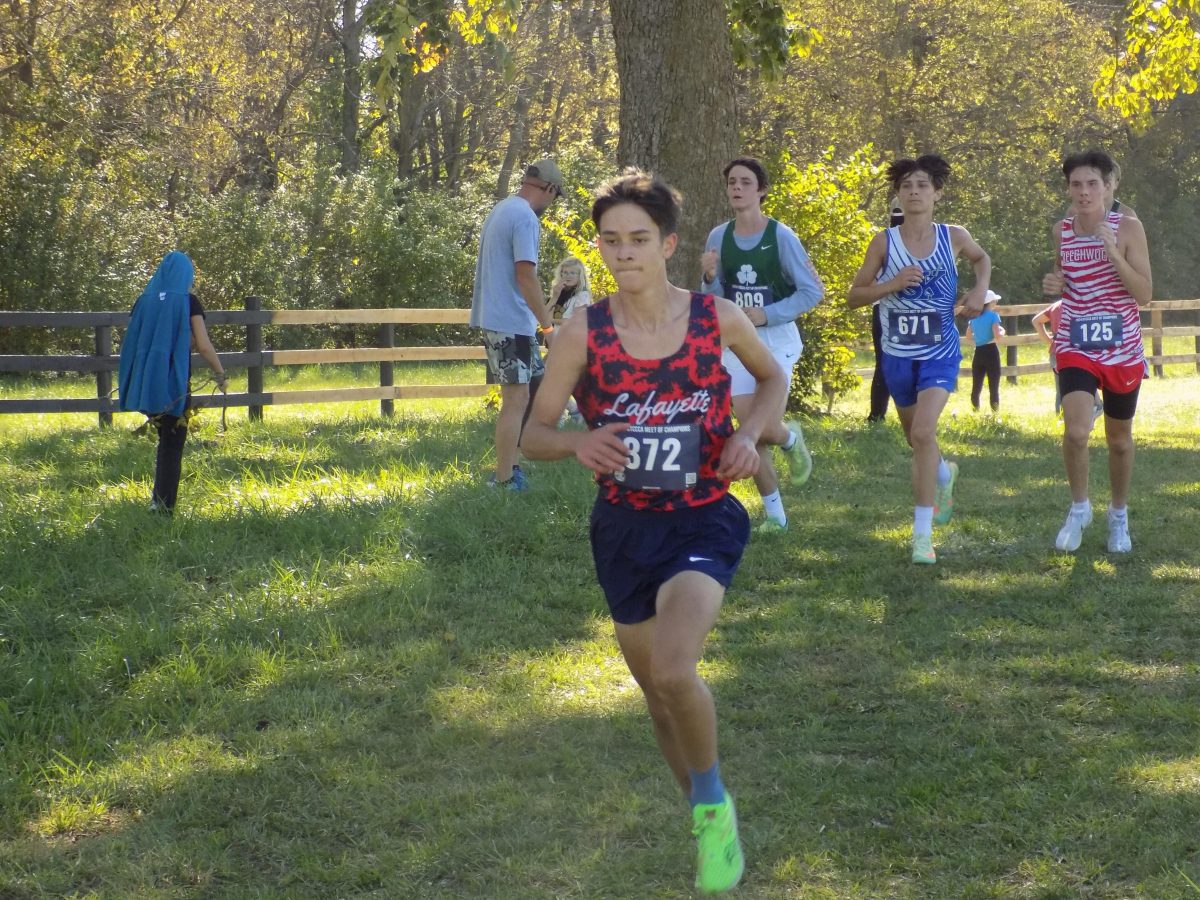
(602, 449)
(908, 277)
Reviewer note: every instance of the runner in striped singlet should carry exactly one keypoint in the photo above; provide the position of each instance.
(1102, 273)
(911, 270)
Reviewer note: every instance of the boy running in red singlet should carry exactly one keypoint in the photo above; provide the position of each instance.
(666, 534)
(1102, 273)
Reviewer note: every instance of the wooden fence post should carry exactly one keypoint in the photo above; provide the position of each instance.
(104, 376)
(1156, 338)
(1010, 352)
(254, 344)
(1197, 339)
(387, 338)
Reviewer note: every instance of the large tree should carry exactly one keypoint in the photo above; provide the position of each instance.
(678, 107)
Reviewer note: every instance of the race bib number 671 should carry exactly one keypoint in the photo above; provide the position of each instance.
(914, 327)
(660, 457)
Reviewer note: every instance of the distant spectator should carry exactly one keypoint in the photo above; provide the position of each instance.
(985, 328)
(570, 289)
(507, 305)
(879, 390)
(156, 357)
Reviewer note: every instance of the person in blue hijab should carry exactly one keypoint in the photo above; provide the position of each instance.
(156, 358)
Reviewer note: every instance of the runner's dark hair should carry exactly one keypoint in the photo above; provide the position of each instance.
(661, 202)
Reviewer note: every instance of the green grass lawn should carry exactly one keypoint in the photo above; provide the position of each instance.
(345, 668)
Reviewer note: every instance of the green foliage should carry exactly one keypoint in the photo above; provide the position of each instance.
(353, 241)
(415, 36)
(1160, 59)
(68, 243)
(764, 35)
(358, 241)
(823, 203)
(567, 227)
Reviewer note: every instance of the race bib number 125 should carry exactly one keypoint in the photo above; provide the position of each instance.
(1099, 331)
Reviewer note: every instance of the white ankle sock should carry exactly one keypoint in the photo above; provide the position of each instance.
(773, 507)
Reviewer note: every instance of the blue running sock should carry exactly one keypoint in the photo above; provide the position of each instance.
(706, 786)
(943, 475)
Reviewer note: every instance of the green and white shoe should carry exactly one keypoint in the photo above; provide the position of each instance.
(800, 462)
(943, 500)
(770, 528)
(922, 550)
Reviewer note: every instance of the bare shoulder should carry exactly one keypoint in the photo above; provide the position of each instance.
(960, 235)
(1131, 226)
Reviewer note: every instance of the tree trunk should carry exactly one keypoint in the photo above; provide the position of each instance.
(516, 145)
(351, 35)
(678, 109)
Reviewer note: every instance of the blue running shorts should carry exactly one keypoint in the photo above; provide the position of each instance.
(637, 551)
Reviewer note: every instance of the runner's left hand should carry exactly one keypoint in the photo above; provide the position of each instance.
(972, 304)
(739, 459)
(1108, 238)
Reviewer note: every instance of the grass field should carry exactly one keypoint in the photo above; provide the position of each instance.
(345, 668)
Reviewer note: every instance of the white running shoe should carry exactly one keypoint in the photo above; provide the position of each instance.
(1118, 535)
(1071, 534)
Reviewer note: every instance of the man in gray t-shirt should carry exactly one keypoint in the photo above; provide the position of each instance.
(507, 304)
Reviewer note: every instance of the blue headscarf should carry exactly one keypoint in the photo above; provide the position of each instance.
(156, 354)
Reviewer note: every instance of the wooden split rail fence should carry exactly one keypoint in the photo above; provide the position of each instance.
(255, 359)
(1018, 318)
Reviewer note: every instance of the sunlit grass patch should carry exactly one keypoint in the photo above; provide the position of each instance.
(347, 667)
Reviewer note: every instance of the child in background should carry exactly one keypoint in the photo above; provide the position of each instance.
(570, 291)
(985, 328)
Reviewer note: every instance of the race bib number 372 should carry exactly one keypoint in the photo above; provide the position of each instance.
(661, 457)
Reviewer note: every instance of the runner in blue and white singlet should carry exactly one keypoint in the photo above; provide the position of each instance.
(909, 270)
(918, 322)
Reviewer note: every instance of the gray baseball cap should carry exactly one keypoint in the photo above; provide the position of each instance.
(546, 170)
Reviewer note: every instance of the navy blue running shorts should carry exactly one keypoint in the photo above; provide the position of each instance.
(637, 551)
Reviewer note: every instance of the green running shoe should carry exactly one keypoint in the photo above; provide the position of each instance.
(719, 860)
(922, 547)
(800, 463)
(770, 528)
(943, 500)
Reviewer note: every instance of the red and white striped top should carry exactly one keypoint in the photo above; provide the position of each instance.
(1093, 288)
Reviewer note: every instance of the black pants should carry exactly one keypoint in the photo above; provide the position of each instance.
(879, 391)
(172, 433)
(986, 361)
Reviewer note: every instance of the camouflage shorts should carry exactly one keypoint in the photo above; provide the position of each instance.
(512, 358)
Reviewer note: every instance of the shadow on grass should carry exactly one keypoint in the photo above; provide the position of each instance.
(352, 696)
